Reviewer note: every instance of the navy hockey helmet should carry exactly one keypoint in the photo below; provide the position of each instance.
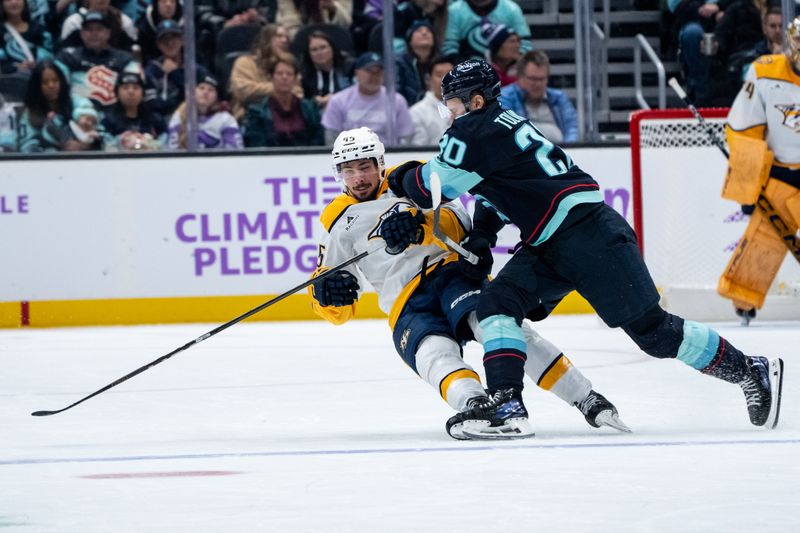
(468, 77)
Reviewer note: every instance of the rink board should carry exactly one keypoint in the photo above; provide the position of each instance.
(183, 239)
(181, 310)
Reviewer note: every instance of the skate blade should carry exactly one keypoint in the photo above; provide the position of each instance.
(608, 418)
(457, 432)
(776, 381)
(513, 429)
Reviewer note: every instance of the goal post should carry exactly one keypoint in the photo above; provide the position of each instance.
(686, 231)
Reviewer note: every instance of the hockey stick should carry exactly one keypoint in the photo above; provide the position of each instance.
(436, 200)
(711, 134)
(211, 333)
(789, 239)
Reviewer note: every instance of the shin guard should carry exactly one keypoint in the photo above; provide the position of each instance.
(439, 363)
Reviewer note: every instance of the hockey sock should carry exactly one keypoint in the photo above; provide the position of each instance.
(729, 364)
(702, 348)
(504, 352)
(438, 361)
(458, 387)
(564, 380)
(551, 370)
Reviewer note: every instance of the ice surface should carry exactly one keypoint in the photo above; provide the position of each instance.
(309, 427)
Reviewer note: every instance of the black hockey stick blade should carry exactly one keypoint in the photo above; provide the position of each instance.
(211, 333)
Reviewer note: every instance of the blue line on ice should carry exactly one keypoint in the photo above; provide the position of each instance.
(365, 451)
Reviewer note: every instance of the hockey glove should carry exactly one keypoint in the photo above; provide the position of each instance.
(481, 247)
(401, 230)
(397, 174)
(339, 289)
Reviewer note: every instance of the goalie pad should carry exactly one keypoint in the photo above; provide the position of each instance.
(793, 207)
(748, 169)
(761, 251)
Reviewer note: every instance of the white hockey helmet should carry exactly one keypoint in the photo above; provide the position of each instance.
(793, 42)
(359, 143)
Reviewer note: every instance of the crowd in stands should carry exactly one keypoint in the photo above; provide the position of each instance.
(717, 40)
(109, 74)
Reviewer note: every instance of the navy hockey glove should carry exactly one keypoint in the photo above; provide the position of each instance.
(401, 230)
(339, 289)
(397, 175)
(481, 247)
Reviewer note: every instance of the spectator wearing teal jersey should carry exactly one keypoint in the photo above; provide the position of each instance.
(45, 124)
(8, 126)
(463, 36)
(23, 41)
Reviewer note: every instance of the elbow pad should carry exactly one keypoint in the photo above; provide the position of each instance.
(397, 174)
(406, 181)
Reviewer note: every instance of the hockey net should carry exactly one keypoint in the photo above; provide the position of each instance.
(687, 232)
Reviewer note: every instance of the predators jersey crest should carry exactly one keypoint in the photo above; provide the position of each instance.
(375, 233)
(791, 115)
(404, 339)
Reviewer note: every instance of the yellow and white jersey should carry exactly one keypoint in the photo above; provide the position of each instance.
(768, 107)
(352, 227)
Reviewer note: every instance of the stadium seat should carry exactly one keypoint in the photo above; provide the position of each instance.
(234, 39)
(13, 87)
(375, 41)
(225, 70)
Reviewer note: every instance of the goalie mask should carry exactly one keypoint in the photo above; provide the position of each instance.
(793, 43)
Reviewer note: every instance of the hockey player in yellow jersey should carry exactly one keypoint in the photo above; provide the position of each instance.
(429, 300)
(763, 132)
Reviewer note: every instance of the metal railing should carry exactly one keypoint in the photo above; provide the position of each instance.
(591, 66)
(584, 101)
(642, 44)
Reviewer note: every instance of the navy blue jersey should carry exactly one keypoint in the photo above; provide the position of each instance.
(506, 163)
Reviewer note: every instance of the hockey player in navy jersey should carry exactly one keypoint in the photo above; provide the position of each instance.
(429, 301)
(570, 240)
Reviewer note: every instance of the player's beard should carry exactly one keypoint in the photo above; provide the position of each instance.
(364, 195)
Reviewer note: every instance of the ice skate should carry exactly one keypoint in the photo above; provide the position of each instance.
(746, 315)
(502, 416)
(600, 412)
(455, 424)
(762, 390)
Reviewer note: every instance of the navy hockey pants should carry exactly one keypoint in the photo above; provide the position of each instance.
(595, 253)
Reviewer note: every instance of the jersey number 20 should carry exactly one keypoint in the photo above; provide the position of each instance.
(526, 135)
